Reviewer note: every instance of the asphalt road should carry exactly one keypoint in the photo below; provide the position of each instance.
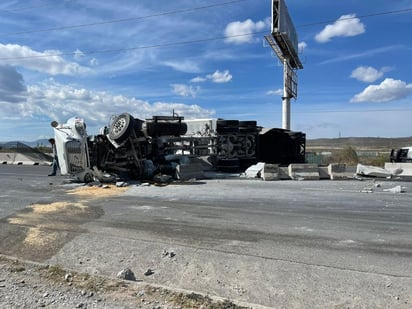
(291, 244)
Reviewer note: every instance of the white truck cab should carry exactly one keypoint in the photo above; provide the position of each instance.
(71, 146)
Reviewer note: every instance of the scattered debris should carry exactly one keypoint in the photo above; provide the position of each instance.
(121, 184)
(170, 254)
(162, 178)
(95, 184)
(254, 171)
(397, 189)
(68, 277)
(367, 190)
(372, 171)
(126, 274)
(149, 272)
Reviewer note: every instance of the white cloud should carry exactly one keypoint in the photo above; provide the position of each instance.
(78, 54)
(345, 26)
(198, 79)
(185, 90)
(186, 66)
(217, 77)
(49, 62)
(278, 92)
(239, 32)
(94, 62)
(389, 90)
(220, 77)
(61, 102)
(302, 46)
(367, 74)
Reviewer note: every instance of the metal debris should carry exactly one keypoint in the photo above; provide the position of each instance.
(397, 189)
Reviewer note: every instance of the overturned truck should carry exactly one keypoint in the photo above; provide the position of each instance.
(130, 148)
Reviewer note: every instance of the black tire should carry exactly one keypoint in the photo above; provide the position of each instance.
(156, 129)
(228, 165)
(227, 123)
(228, 162)
(86, 176)
(229, 169)
(249, 126)
(248, 123)
(227, 130)
(227, 126)
(121, 127)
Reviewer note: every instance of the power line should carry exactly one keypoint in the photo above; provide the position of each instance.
(108, 51)
(169, 44)
(182, 11)
(24, 8)
(125, 19)
(360, 16)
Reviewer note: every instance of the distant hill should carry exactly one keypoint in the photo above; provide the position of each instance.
(360, 143)
(36, 143)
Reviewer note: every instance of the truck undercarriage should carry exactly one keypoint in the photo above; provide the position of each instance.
(131, 148)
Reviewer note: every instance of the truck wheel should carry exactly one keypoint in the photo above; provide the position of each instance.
(85, 176)
(227, 126)
(249, 126)
(121, 127)
(228, 165)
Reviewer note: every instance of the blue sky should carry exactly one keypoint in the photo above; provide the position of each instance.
(94, 59)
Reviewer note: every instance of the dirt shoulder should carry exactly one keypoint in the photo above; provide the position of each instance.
(29, 285)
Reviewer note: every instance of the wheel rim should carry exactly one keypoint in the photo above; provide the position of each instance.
(119, 126)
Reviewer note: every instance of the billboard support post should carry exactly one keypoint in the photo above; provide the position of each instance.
(284, 42)
(285, 98)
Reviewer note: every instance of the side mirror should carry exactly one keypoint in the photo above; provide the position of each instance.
(54, 124)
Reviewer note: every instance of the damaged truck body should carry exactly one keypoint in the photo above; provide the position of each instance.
(401, 155)
(131, 148)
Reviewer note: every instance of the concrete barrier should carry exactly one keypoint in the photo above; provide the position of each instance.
(271, 172)
(267, 171)
(324, 172)
(338, 171)
(304, 171)
(399, 169)
(6, 158)
(20, 159)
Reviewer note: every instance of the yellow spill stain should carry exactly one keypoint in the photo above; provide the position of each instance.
(57, 207)
(17, 221)
(44, 229)
(97, 192)
(36, 237)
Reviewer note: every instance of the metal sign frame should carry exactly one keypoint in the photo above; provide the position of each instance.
(284, 42)
(284, 33)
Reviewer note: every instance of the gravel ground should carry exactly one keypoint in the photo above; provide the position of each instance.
(28, 285)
